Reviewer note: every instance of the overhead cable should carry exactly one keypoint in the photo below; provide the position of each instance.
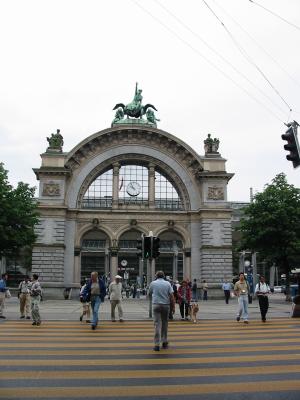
(276, 15)
(205, 58)
(219, 55)
(257, 43)
(244, 53)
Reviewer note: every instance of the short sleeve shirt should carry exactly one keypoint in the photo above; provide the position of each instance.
(160, 290)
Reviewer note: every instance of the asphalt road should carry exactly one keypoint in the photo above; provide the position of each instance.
(213, 359)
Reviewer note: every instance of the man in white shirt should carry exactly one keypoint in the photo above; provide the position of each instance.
(262, 290)
(115, 295)
(162, 300)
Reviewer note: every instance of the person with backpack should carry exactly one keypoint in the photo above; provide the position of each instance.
(3, 290)
(96, 290)
(262, 290)
(36, 294)
(86, 302)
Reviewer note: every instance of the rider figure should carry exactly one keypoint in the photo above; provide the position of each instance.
(137, 100)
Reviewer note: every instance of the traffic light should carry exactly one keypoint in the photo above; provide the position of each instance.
(155, 247)
(292, 143)
(140, 247)
(148, 246)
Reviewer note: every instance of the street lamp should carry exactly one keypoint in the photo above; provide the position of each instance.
(248, 269)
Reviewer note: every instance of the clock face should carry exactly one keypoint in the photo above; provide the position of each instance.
(133, 188)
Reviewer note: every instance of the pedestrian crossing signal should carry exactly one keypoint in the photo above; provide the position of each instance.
(140, 247)
(155, 247)
(148, 246)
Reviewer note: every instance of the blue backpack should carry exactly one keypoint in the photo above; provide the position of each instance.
(2, 285)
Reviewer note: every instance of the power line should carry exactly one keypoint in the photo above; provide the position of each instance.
(218, 54)
(258, 44)
(206, 59)
(244, 53)
(276, 15)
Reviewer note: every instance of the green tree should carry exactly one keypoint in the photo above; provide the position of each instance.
(271, 225)
(18, 215)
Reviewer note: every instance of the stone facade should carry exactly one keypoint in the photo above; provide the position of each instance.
(201, 227)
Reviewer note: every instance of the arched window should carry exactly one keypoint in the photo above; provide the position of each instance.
(134, 182)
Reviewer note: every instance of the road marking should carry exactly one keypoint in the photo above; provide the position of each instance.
(155, 390)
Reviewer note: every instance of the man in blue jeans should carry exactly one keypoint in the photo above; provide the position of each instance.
(95, 290)
(162, 301)
(241, 290)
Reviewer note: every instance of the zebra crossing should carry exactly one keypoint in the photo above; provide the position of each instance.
(208, 360)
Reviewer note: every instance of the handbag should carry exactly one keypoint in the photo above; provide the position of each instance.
(232, 295)
(7, 294)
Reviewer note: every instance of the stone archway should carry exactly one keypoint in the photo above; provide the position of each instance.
(94, 254)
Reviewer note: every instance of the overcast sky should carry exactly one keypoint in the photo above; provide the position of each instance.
(65, 64)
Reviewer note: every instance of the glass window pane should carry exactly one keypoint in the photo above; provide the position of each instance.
(166, 196)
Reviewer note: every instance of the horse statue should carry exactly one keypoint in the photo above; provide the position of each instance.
(135, 109)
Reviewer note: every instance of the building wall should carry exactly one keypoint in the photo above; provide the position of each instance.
(204, 224)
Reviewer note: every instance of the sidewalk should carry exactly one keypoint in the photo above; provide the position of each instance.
(138, 309)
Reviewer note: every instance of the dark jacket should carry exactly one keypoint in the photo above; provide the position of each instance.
(87, 290)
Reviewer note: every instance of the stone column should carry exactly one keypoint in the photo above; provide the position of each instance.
(187, 270)
(151, 185)
(106, 265)
(175, 266)
(77, 264)
(115, 189)
(114, 260)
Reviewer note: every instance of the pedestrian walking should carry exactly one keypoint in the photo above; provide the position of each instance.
(96, 290)
(115, 296)
(86, 304)
(35, 293)
(226, 286)
(262, 290)
(3, 291)
(241, 290)
(184, 299)
(162, 300)
(24, 298)
(194, 291)
(205, 289)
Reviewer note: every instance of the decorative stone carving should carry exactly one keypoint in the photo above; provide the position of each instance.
(139, 137)
(51, 189)
(95, 222)
(215, 193)
(211, 145)
(56, 142)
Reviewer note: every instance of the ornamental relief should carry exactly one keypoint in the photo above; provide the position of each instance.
(51, 189)
(215, 193)
(138, 137)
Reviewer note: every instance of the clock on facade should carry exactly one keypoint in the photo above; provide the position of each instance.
(133, 188)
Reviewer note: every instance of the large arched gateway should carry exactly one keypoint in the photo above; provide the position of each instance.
(97, 200)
